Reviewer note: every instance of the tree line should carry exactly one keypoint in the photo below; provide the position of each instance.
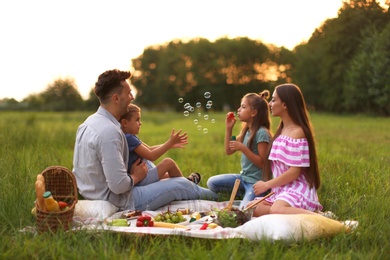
(343, 68)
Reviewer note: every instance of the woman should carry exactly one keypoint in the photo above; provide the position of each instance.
(292, 158)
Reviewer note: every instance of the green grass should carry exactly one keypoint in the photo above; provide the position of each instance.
(354, 157)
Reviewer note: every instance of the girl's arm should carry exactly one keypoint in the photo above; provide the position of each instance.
(152, 147)
(229, 122)
(256, 159)
(288, 176)
(180, 145)
(176, 140)
(228, 136)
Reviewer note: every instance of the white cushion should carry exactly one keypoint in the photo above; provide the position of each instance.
(291, 227)
(96, 209)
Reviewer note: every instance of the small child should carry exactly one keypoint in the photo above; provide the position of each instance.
(167, 168)
(252, 142)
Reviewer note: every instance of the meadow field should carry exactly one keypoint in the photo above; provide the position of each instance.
(354, 158)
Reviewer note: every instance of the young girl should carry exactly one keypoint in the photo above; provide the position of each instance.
(167, 168)
(292, 158)
(252, 142)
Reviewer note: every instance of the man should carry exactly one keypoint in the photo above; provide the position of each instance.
(101, 156)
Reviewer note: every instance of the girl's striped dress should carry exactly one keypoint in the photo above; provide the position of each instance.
(287, 152)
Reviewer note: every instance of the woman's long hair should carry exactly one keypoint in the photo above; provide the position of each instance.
(292, 96)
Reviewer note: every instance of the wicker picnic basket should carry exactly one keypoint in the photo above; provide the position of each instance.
(62, 184)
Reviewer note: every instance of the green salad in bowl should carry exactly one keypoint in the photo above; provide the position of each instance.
(232, 217)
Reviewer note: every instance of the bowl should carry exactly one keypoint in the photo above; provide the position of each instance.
(234, 217)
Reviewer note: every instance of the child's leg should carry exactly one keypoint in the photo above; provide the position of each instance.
(262, 209)
(224, 182)
(249, 194)
(151, 177)
(282, 207)
(168, 168)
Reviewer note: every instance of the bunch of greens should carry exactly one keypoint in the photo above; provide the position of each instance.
(231, 218)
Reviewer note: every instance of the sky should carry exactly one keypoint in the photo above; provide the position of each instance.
(44, 40)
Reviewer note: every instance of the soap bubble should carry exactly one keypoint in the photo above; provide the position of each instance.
(209, 104)
(198, 105)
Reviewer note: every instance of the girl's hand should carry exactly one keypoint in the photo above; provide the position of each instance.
(235, 146)
(230, 120)
(260, 187)
(178, 140)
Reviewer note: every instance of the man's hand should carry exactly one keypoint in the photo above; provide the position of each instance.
(138, 171)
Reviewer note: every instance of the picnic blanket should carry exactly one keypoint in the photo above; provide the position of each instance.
(97, 214)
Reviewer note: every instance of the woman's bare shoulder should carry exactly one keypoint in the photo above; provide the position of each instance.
(297, 133)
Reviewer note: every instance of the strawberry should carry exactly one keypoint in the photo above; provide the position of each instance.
(62, 205)
(231, 115)
(204, 226)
